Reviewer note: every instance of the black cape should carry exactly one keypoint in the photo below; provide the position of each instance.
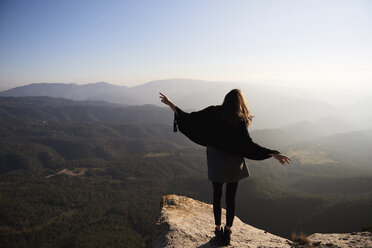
(205, 128)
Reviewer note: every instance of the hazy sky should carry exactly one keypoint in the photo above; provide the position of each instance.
(302, 43)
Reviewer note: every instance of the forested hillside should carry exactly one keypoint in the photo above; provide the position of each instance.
(60, 109)
(280, 106)
(82, 179)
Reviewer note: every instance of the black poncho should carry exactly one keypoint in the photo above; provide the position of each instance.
(205, 128)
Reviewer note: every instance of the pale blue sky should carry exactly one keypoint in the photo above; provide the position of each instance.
(297, 43)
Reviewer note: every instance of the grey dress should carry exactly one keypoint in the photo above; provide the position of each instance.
(224, 167)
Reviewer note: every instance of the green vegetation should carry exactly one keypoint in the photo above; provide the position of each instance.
(300, 238)
(98, 184)
(86, 184)
(311, 156)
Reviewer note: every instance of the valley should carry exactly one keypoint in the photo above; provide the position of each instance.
(71, 177)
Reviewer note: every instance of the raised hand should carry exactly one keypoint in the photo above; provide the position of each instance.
(167, 101)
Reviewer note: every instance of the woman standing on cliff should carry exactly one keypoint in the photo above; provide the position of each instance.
(223, 130)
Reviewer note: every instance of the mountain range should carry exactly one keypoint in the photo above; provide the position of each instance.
(304, 140)
(273, 107)
(91, 173)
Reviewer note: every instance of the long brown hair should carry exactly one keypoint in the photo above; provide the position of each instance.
(235, 109)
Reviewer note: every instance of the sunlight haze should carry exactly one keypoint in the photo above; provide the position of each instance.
(315, 44)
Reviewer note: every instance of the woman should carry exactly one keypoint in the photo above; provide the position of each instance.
(223, 130)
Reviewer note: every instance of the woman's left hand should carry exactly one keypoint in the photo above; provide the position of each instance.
(167, 101)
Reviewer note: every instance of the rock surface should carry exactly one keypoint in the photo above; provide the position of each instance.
(354, 239)
(185, 222)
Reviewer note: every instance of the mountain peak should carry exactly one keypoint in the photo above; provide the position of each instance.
(185, 222)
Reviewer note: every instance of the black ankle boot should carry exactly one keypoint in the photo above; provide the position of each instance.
(226, 237)
(219, 235)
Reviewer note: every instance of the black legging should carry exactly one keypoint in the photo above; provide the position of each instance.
(230, 202)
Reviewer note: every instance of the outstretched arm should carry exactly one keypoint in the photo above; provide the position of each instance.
(257, 152)
(167, 101)
(281, 158)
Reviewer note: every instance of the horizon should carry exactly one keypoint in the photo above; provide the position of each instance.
(336, 96)
(309, 44)
(261, 84)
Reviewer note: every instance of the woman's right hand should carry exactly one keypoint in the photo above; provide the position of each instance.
(281, 158)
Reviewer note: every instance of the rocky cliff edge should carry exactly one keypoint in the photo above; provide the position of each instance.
(185, 222)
